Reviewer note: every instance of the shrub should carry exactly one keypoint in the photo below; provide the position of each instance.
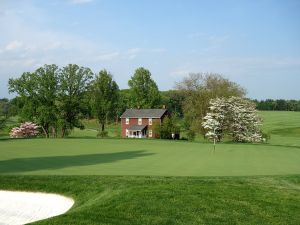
(265, 137)
(191, 135)
(26, 130)
(102, 134)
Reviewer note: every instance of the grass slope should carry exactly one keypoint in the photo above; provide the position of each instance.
(284, 127)
(169, 200)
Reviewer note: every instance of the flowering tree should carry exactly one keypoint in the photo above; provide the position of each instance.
(26, 130)
(234, 116)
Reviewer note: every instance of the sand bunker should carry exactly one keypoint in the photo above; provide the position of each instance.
(18, 208)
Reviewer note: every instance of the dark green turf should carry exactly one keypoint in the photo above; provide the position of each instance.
(169, 200)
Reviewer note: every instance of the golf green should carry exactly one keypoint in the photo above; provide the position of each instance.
(144, 157)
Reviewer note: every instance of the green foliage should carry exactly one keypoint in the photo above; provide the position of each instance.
(2, 123)
(278, 105)
(74, 83)
(191, 135)
(102, 134)
(266, 136)
(173, 100)
(52, 97)
(38, 95)
(5, 107)
(198, 89)
(143, 89)
(104, 98)
(124, 101)
(168, 127)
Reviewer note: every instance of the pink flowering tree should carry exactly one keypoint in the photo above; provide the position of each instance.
(26, 130)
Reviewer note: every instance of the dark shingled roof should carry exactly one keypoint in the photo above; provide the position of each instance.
(137, 127)
(143, 113)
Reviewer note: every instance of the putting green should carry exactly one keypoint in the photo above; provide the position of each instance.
(144, 157)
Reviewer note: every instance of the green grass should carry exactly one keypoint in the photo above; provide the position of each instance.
(92, 128)
(169, 200)
(284, 127)
(120, 181)
(144, 157)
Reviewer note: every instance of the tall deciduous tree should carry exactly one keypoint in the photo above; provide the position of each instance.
(198, 90)
(144, 91)
(74, 82)
(104, 98)
(38, 93)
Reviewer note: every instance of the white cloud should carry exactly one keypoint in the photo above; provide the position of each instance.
(13, 45)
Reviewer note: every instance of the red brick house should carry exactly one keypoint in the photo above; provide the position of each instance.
(138, 123)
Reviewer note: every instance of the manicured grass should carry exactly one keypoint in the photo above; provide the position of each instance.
(236, 184)
(284, 127)
(144, 157)
(169, 200)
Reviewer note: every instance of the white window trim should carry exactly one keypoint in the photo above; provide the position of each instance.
(127, 132)
(150, 121)
(127, 121)
(150, 133)
(140, 121)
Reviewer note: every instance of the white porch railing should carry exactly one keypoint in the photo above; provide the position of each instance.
(137, 136)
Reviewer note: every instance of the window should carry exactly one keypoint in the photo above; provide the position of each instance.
(127, 132)
(150, 133)
(127, 120)
(140, 121)
(150, 121)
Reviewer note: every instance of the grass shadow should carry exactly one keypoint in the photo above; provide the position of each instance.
(59, 162)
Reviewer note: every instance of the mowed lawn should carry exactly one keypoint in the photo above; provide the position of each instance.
(137, 200)
(144, 157)
(120, 181)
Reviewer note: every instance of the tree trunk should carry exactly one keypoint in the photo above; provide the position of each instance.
(45, 132)
(102, 127)
(63, 130)
(54, 135)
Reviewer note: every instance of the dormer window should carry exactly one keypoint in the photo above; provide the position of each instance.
(150, 121)
(140, 121)
(127, 121)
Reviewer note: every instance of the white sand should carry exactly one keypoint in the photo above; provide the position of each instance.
(18, 208)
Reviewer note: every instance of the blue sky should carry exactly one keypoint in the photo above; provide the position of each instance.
(254, 43)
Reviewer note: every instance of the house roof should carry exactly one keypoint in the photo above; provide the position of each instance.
(143, 113)
(137, 127)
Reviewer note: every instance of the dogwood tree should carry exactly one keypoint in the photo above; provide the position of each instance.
(26, 130)
(235, 117)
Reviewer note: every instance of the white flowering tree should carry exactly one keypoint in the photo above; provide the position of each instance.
(235, 117)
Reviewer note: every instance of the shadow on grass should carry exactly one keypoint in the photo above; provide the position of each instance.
(59, 162)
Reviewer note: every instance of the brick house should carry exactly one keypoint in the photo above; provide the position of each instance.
(138, 123)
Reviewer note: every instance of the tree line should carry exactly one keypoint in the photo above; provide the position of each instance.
(278, 105)
(57, 99)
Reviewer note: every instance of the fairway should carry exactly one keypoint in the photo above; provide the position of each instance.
(144, 157)
(163, 181)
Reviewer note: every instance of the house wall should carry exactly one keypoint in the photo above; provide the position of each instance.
(134, 121)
